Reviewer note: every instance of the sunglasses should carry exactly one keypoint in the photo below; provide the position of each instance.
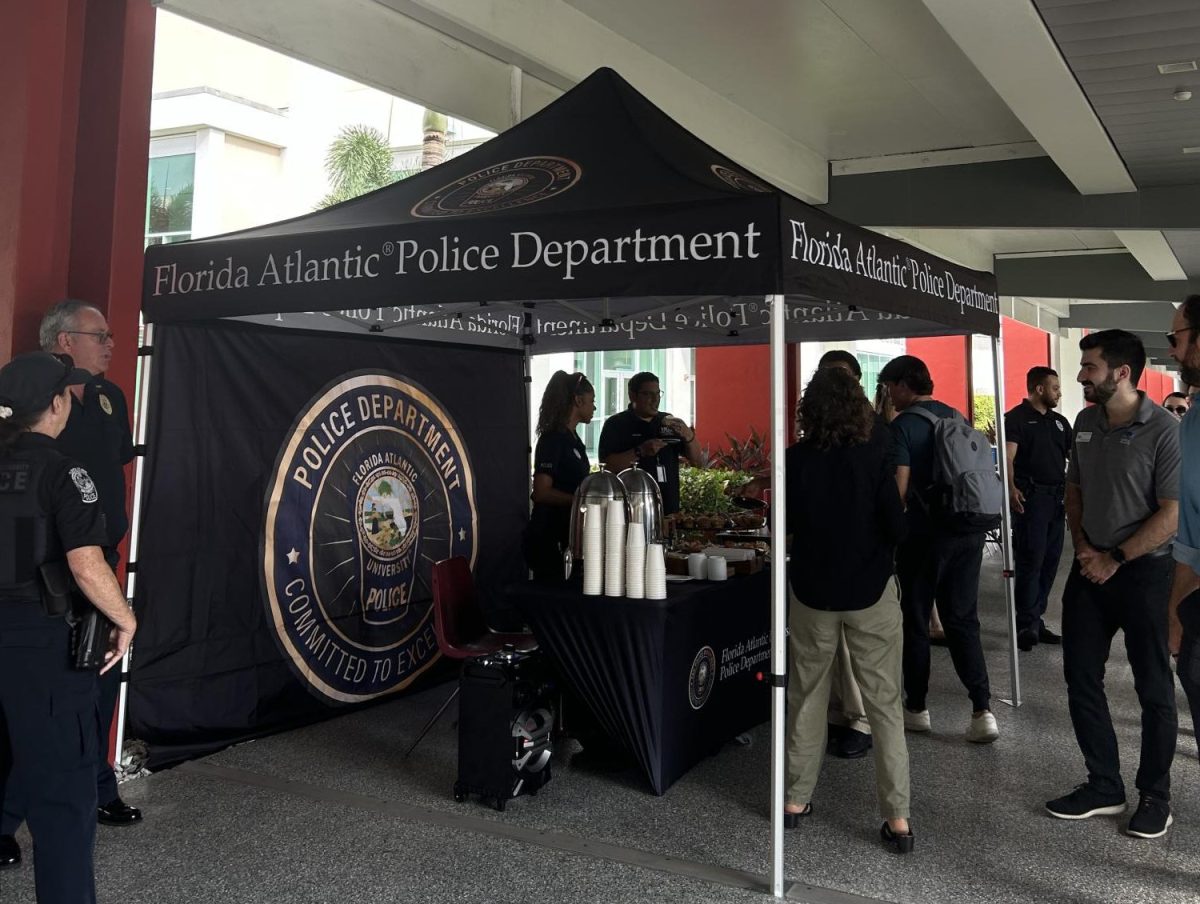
(1176, 409)
(1171, 336)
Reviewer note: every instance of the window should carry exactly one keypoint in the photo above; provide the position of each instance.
(169, 199)
(609, 372)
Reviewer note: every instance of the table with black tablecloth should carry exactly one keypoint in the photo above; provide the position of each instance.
(669, 680)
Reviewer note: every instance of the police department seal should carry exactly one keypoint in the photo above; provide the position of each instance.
(702, 677)
(372, 486)
(740, 181)
(513, 183)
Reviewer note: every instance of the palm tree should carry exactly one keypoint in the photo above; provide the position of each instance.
(433, 145)
(358, 161)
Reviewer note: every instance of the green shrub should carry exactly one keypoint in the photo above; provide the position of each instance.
(702, 490)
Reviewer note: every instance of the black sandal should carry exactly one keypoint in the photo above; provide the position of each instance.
(792, 820)
(902, 843)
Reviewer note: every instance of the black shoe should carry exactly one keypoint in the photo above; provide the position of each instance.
(1045, 635)
(1085, 802)
(118, 813)
(938, 640)
(902, 844)
(1027, 640)
(833, 737)
(10, 852)
(1152, 819)
(792, 820)
(854, 744)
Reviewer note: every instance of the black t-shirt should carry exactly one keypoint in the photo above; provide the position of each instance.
(845, 516)
(624, 431)
(66, 496)
(1043, 443)
(97, 436)
(563, 456)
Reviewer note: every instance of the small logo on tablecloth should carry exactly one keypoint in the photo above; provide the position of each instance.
(702, 677)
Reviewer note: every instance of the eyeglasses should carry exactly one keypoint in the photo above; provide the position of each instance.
(1177, 409)
(101, 336)
(1171, 340)
(656, 395)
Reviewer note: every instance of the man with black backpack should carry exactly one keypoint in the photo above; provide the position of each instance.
(954, 496)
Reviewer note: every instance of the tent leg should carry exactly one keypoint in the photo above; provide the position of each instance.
(140, 416)
(1006, 526)
(779, 669)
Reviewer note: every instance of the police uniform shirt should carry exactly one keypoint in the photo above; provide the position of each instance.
(66, 494)
(97, 436)
(625, 431)
(562, 456)
(1043, 443)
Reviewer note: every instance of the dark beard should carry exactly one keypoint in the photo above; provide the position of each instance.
(1190, 374)
(1102, 392)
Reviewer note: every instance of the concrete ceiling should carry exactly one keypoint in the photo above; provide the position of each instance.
(863, 89)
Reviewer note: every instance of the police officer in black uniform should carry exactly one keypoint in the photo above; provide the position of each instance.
(653, 439)
(50, 513)
(1038, 441)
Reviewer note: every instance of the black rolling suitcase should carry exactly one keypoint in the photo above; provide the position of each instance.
(505, 718)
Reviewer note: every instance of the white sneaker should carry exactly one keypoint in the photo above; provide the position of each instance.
(982, 729)
(916, 721)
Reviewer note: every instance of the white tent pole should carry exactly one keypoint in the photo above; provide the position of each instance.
(140, 416)
(1010, 598)
(779, 444)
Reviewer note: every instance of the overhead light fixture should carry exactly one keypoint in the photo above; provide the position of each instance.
(1194, 149)
(1172, 68)
(1182, 94)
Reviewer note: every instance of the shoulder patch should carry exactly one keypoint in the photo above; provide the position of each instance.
(83, 483)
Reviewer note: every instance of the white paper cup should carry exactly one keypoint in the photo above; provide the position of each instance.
(698, 565)
(716, 568)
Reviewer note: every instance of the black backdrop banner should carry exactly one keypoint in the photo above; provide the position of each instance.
(297, 491)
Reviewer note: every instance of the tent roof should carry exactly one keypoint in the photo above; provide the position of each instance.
(599, 202)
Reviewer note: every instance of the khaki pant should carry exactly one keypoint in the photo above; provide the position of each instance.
(845, 699)
(874, 639)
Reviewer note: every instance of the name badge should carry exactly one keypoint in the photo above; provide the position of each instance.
(662, 474)
(1083, 437)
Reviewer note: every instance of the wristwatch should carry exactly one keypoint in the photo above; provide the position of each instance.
(1118, 555)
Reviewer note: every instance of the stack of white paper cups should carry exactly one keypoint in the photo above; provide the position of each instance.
(614, 550)
(656, 572)
(635, 560)
(593, 550)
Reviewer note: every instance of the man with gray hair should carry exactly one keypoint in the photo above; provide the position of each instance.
(97, 436)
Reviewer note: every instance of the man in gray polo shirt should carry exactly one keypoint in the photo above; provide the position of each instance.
(1122, 509)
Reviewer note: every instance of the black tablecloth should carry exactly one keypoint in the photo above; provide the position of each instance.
(670, 680)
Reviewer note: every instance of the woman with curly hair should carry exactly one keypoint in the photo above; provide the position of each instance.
(845, 516)
(560, 464)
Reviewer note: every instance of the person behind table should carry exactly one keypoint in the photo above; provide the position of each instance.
(641, 433)
(1177, 403)
(1037, 441)
(933, 563)
(48, 745)
(1122, 511)
(845, 516)
(560, 465)
(1183, 609)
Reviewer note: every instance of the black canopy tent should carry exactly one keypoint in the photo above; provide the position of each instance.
(597, 223)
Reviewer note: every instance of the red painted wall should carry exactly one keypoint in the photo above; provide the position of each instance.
(1024, 347)
(946, 358)
(733, 393)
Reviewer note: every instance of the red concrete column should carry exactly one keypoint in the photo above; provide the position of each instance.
(949, 365)
(1025, 346)
(733, 393)
(75, 83)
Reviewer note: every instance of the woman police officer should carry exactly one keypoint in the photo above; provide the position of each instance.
(49, 514)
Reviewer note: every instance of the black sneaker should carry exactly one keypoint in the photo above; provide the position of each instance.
(1085, 802)
(1045, 635)
(1027, 640)
(1151, 820)
(853, 745)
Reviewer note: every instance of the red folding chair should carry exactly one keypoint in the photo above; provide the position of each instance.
(461, 629)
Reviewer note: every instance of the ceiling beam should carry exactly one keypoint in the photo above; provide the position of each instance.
(1116, 277)
(1009, 44)
(1030, 193)
(1152, 317)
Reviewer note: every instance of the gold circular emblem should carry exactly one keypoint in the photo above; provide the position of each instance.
(104, 403)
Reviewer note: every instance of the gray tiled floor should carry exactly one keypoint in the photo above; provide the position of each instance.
(361, 822)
